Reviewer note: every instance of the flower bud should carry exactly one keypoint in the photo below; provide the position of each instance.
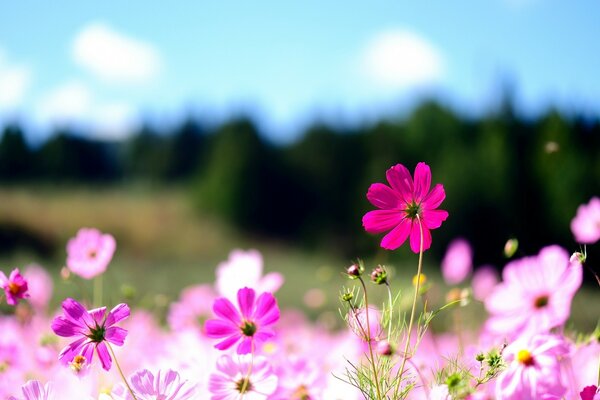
(354, 271)
(384, 348)
(510, 247)
(379, 275)
(348, 296)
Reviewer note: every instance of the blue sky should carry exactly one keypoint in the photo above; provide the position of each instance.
(110, 65)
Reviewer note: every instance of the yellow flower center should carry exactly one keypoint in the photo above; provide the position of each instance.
(421, 279)
(525, 358)
(78, 363)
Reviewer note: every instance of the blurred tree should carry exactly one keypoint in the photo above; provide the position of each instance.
(15, 156)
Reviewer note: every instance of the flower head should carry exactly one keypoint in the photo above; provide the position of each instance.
(166, 385)
(91, 329)
(239, 378)
(34, 390)
(535, 294)
(458, 262)
(533, 369)
(586, 224)
(15, 286)
(404, 207)
(248, 324)
(90, 252)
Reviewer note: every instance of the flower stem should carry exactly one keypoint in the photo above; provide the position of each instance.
(391, 311)
(98, 291)
(246, 382)
(412, 312)
(112, 353)
(371, 358)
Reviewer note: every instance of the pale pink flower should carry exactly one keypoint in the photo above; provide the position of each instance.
(15, 286)
(484, 280)
(533, 369)
(300, 379)
(535, 294)
(39, 284)
(242, 378)
(90, 252)
(92, 329)
(249, 323)
(458, 262)
(245, 269)
(439, 392)
(193, 308)
(33, 390)
(586, 224)
(404, 204)
(166, 385)
(357, 321)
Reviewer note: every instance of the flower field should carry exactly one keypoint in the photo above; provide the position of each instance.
(233, 339)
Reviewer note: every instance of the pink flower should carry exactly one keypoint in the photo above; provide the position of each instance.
(590, 393)
(357, 321)
(92, 329)
(533, 370)
(241, 378)
(458, 262)
(90, 252)
(40, 285)
(535, 294)
(165, 385)
(586, 224)
(192, 309)
(404, 206)
(245, 269)
(483, 282)
(33, 390)
(15, 286)
(249, 323)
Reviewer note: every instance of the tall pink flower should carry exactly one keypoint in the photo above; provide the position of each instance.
(402, 205)
(586, 224)
(533, 369)
(242, 378)
(91, 329)
(15, 286)
(248, 324)
(535, 294)
(90, 252)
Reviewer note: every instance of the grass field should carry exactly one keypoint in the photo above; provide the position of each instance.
(163, 245)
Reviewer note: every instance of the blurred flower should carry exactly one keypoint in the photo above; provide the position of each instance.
(244, 269)
(439, 392)
(91, 328)
(33, 390)
(40, 285)
(590, 393)
(242, 378)
(165, 385)
(586, 224)
(535, 294)
(357, 321)
(15, 286)
(90, 252)
(533, 369)
(249, 322)
(192, 309)
(403, 205)
(458, 262)
(300, 379)
(483, 282)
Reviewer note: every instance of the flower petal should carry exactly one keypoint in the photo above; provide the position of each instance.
(422, 180)
(217, 328)
(382, 196)
(67, 354)
(116, 335)
(378, 221)
(228, 342)
(415, 238)
(245, 298)
(433, 219)
(225, 309)
(267, 312)
(118, 313)
(66, 328)
(434, 198)
(401, 181)
(76, 312)
(104, 356)
(397, 236)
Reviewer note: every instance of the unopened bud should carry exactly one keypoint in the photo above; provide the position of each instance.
(348, 296)
(65, 273)
(384, 348)
(510, 247)
(354, 271)
(480, 357)
(578, 257)
(379, 275)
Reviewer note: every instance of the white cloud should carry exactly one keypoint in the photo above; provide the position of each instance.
(73, 104)
(400, 60)
(115, 57)
(14, 83)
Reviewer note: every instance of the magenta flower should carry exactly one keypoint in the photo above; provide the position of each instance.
(15, 286)
(404, 204)
(242, 378)
(458, 262)
(166, 385)
(533, 370)
(249, 323)
(33, 390)
(586, 224)
(590, 393)
(90, 252)
(535, 294)
(92, 329)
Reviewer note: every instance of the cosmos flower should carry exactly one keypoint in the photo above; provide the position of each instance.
(192, 309)
(92, 329)
(535, 294)
(15, 286)
(248, 324)
(586, 224)
(33, 390)
(533, 370)
(240, 377)
(166, 385)
(403, 206)
(90, 252)
(458, 262)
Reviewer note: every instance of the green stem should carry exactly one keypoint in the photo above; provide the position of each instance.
(412, 312)
(372, 357)
(391, 311)
(246, 381)
(120, 370)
